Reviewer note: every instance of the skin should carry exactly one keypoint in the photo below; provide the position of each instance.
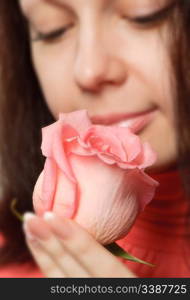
(87, 68)
(62, 248)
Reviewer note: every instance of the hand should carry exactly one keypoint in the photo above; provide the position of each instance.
(62, 248)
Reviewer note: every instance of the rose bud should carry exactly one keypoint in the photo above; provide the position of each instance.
(95, 175)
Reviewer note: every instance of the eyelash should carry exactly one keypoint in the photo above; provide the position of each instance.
(155, 17)
(50, 36)
(139, 21)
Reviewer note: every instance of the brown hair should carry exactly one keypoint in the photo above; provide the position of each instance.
(23, 113)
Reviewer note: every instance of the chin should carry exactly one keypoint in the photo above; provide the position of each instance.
(162, 165)
(162, 139)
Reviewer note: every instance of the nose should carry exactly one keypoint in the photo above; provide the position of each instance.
(97, 66)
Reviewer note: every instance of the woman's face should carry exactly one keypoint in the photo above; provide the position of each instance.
(106, 57)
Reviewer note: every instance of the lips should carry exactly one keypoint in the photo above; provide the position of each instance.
(135, 121)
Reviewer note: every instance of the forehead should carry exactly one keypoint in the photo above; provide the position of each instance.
(68, 2)
(31, 6)
(91, 2)
(28, 5)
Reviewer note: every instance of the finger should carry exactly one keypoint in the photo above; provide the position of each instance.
(45, 262)
(94, 257)
(52, 248)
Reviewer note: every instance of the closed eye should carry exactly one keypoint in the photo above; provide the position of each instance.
(142, 20)
(50, 36)
(154, 17)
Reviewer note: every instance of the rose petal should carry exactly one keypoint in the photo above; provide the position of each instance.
(47, 138)
(49, 183)
(146, 157)
(37, 196)
(150, 156)
(66, 196)
(131, 142)
(60, 156)
(77, 119)
(107, 136)
(142, 185)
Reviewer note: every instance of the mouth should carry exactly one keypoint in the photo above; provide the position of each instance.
(135, 121)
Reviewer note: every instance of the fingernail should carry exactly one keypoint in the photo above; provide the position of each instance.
(48, 215)
(36, 229)
(28, 216)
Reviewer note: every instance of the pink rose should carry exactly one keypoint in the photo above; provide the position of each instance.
(95, 175)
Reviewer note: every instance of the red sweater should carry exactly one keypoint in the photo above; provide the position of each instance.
(158, 236)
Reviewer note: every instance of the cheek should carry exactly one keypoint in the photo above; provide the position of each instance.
(151, 66)
(161, 134)
(54, 72)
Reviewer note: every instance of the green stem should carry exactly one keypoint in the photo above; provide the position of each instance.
(118, 251)
(113, 247)
(15, 211)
